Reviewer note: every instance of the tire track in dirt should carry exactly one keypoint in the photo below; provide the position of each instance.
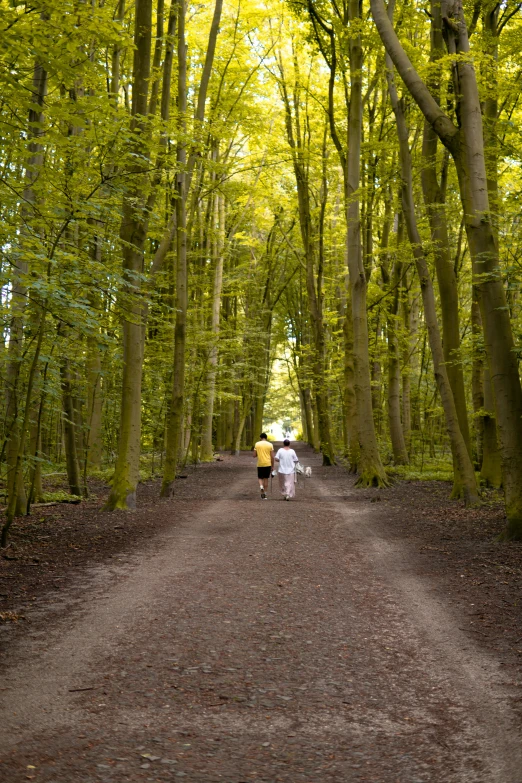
(458, 662)
(257, 641)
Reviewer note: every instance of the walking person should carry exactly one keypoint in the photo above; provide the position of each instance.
(264, 451)
(287, 459)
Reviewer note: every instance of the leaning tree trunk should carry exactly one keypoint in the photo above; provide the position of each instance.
(466, 144)
(458, 446)
(434, 197)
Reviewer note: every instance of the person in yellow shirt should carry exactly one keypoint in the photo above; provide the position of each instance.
(264, 451)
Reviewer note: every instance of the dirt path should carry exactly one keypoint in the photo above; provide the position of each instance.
(257, 641)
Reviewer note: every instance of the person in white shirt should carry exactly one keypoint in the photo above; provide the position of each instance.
(287, 460)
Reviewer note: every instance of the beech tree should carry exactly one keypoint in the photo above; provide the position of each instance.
(199, 198)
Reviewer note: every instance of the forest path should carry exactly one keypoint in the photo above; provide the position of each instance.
(257, 641)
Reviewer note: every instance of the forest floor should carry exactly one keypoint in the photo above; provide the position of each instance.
(349, 635)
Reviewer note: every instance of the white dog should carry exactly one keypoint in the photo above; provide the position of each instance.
(308, 472)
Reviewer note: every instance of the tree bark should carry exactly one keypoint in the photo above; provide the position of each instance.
(183, 181)
(116, 56)
(434, 198)
(18, 472)
(133, 236)
(459, 449)
(371, 471)
(314, 265)
(69, 427)
(175, 419)
(400, 452)
(466, 145)
(491, 469)
(219, 245)
(349, 400)
(15, 486)
(477, 377)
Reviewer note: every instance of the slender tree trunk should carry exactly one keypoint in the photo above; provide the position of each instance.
(371, 471)
(15, 486)
(477, 378)
(410, 322)
(183, 181)
(313, 260)
(36, 486)
(350, 403)
(434, 197)
(18, 477)
(219, 245)
(376, 382)
(116, 55)
(315, 424)
(491, 470)
(133, 236)
(175, 420)
(69, 425)
(459, 449)
(94, 446)
(308, 415)
(400, 453)
(466, 144)
(241, 425)
(134, 229)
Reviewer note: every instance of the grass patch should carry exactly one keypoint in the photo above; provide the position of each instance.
(433, 470)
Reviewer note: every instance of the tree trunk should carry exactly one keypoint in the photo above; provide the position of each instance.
(18, 473)
(94, 446)
(69, 426)
(133, 236)
(434, 198)
(313, 260)
(315, 424)
(175, 420)
(477, 378)
(35, 482)
(371, 471)
(491, 470)
(19, 291)
(400, 453)
(183, 181)
(116, 55)
(459, 449)
(466, 144)
(219, 246)
(307, 404)
(350, 404)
